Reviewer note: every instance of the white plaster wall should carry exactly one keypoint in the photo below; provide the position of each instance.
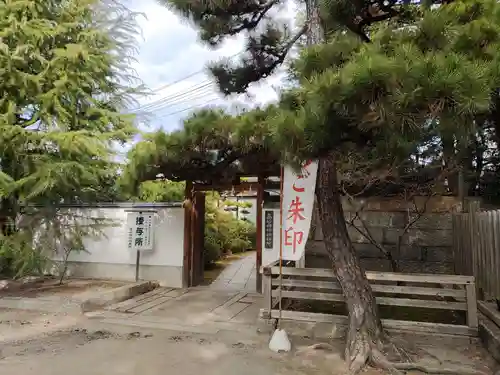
(108, 257)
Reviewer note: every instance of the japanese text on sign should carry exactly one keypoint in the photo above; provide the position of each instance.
(268, 229)
(298, 199)
(140, 230)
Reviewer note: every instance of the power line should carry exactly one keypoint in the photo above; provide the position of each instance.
(190, 75)
(189, 108)
(179, 95)
(185, 99)
(178, 81)
(166, 101)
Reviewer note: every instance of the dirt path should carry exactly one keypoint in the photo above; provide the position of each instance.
(96, 350)
(16, 325)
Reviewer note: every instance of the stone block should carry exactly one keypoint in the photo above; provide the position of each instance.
(102, 299)
(357, 237)
(419, 237)
(410, 252)
(437, 254)
(374, 218)
(378, 265)
(435, 204)
(432, 221)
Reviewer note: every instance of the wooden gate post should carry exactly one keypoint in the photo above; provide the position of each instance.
(188, 201)
(258, 262)
(198, 239)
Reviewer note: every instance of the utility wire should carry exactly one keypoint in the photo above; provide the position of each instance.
(203, 84)
(197, 95)
(189, 108)
(158, 104)
(190, 75)
(194, 92)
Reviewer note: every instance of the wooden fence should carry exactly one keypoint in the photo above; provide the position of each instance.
(419, 291)
(476, 250)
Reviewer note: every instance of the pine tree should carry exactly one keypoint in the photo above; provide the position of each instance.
(382, 78)
(64, 82)
(268, 43)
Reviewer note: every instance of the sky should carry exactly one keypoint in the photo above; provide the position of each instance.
(172, 62)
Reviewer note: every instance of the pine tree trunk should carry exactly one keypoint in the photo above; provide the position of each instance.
(365, 328)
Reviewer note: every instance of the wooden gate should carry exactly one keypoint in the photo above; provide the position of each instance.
(194, 237)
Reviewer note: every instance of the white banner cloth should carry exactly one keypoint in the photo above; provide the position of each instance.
(298, 200)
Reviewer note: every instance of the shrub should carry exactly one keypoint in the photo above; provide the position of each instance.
(18, 257)
(224, 233)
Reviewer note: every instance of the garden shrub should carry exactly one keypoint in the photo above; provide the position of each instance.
(224, 233)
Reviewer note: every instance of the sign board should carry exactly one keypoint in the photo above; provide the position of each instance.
(140, 229)
(268, 229)
(298, 200)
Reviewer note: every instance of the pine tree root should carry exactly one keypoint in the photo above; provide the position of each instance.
(370, 353)
(379, 360)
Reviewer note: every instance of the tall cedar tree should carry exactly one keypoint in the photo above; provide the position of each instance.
(64, 80)
(380, 75)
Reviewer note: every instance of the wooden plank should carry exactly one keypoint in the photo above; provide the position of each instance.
(130, 304)
(381, 276)
(388, 301)
(488, 251)
(456, 225)
(420, 278)
(149, 305)
(389, 289)
(482, 245)
(467, 263)
(474, 243)
(294, 283)
(490, 311)
(472, 319)
(389, 324)
(272, 264)
(266, 290)
(294, 294)
(496, 255)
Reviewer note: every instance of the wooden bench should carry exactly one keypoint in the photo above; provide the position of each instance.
(322, 285)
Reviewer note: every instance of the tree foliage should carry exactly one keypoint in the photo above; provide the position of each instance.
(161, 191)
(205, 149)
(224, 233)
(411, 84)
(64, 82)
(393, 86)
(62, 64)
(413, 98)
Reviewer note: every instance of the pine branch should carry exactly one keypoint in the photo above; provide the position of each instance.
(256, 18)
(264, 59)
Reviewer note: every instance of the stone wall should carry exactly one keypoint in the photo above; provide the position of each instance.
(426, 247)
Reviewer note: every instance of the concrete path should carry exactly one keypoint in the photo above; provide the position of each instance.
(202, 309)
(238, 276)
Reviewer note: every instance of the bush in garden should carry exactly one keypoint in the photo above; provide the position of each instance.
(224, 233)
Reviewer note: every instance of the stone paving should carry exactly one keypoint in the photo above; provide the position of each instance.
(201, 309)
(238, 276)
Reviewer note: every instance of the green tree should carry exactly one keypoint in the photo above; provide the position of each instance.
(161, 191)
(382, 79)
(65, 81)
